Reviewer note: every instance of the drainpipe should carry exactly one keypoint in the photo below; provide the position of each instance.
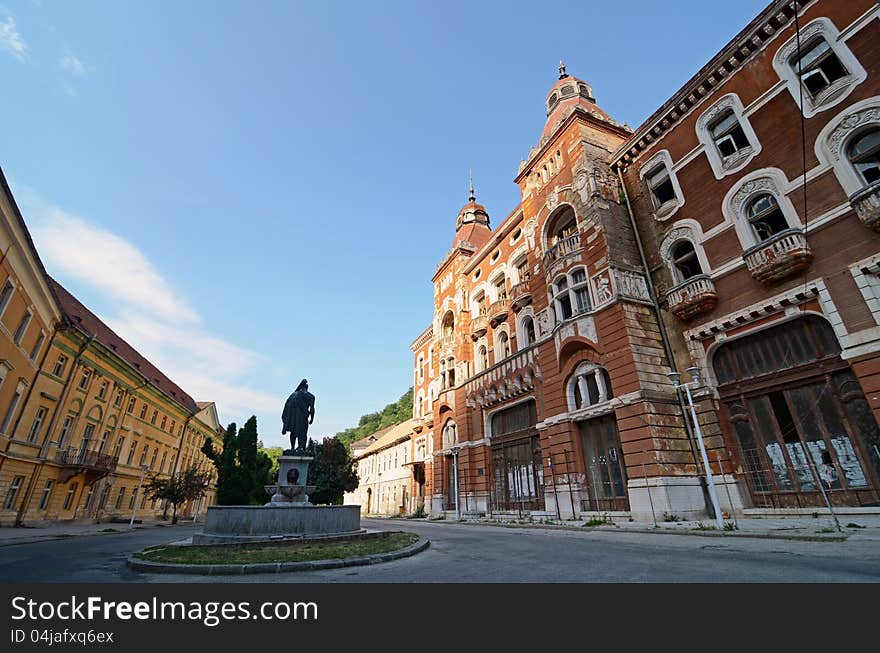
(664, 336)
(44, 449)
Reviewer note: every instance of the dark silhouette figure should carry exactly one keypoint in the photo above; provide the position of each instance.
(299, 412)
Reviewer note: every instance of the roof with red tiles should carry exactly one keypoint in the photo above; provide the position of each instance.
(82, 318)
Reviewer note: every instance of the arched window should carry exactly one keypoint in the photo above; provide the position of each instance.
(450, 434)
(564, 226)
(502, 350)
(522, 269)
(588, 385)
(571, 294)
(864, 154)
(685, 261)
(480, 303)
(421, 406)
(765, 216)
(528, 332)
(728, 134)
(482, 358)
(448, 324)
(500, 284)
(819, 67)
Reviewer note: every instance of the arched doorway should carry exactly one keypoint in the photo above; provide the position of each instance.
(799, 417)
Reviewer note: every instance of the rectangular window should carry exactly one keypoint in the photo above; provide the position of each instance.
(144, 411)
(104, 494)
(581, 290)
(89, 496)
(84, 379)
(119, 498)
(37, 346)
(103, 443)
(87, 438)
(131, 403)
(143, 500)
(164, 421)
(144, 454)
(661, 187)
(60, 364)
(71, 493)
(5, 296)
(728, 135)
(10, 412)
(38, 424)
(47, 492)
(118, 450)
(102, 391)
(131, 452)
(65, 430)
(162, 465)
(819, 67)
(13, 492)
(22, 327)
(117, 401)
(153, 418)
(153, 459)
(132, 500)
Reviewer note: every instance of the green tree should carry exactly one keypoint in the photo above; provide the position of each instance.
(242, 469)
(332, 472)
(391, 415)
(274, 454)
(189, 485)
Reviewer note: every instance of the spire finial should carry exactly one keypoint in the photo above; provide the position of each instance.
(562, 73)
(472, 197)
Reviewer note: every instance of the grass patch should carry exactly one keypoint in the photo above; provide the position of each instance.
(595, 521)
(281, 552)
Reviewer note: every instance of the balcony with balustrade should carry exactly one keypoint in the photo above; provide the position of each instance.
(693, 297)
(866, 204)
(520, 295)
(779, 257)
(566, 247)
(94, 465)
(479, 325)
(498, 310)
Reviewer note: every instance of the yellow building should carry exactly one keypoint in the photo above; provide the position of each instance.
(84, 415)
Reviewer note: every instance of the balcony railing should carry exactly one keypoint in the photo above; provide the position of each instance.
(693, 297)
(779, 257)
(447, 341)
(866, 204)
(498, 310)
(520, 296)
(76, 461)
(479, 325)
(563, 248)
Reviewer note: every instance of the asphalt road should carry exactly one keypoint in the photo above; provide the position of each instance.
(469, 553)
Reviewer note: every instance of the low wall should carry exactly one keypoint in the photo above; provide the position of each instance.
(259, 522)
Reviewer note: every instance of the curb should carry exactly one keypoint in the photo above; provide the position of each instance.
(658, 531)
(66, 536)
(274, 567)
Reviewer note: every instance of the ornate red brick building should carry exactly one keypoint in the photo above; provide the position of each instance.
(543, 380)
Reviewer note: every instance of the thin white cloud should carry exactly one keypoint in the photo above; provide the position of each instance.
(150, 316)
(10, 39)
(107, 262)
(70, 63)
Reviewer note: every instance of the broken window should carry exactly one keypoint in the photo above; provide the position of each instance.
(661, 187)
(819, 67)
(729, 137)
(864, 154)
(684, 258)
(765, 216)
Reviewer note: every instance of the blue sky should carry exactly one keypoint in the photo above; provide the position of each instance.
(252, 193)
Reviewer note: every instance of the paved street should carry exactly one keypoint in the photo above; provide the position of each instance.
(468, 553)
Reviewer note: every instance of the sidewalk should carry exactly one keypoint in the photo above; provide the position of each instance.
(54, 530)
(805, 528)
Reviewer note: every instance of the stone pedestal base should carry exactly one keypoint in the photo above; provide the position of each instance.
(291, 488)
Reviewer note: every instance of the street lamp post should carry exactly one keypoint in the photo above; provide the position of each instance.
(137, 496)
(675, 377)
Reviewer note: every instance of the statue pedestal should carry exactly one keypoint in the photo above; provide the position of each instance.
(291, 488)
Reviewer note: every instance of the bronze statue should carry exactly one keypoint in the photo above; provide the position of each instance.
(299, 412)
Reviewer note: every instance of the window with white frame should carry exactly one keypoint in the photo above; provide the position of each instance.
(863, 153)
(65, 430)
(765, 217)
(502, 347)
(527, 331)
(482, 358)
(84, 379)
(12, 492)
(663, 188)
(480, 307)
(47, 493)
(35, 350)
(522, 270)
(60, 364)
(818, 66)
(727, 136)
(450, 434)
(102, 390)
(684, 259)
(589, 385)
(500, 284)
(7, 420)
(571, 294)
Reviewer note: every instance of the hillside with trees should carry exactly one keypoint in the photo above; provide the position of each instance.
(391, 415)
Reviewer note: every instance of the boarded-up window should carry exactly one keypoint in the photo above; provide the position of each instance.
(515, 419)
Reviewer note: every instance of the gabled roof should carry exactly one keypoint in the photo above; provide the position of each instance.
(82, 318)
(390, 436)
(363, 443)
